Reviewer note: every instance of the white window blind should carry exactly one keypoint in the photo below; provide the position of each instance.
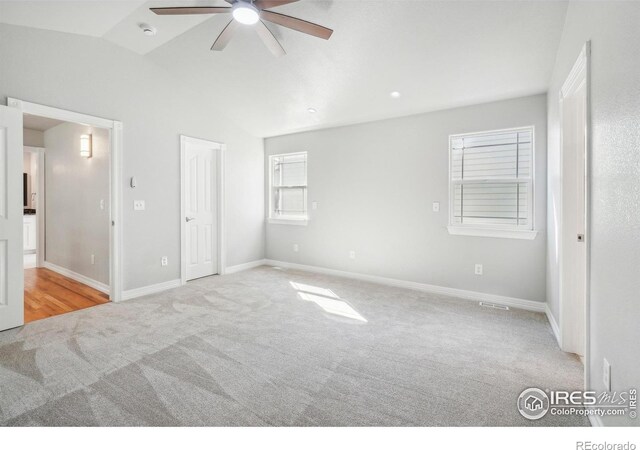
(492, 179)
(289, 186)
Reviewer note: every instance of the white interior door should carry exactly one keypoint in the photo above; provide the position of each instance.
(11, 219)
(574, 212)
(200, 184)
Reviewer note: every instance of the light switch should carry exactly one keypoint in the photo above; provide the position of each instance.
(138, 205)
(314, 205)
(101, 204)
(436, 206)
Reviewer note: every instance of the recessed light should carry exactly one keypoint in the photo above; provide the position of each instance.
(395, 94)
(148, 30)
(312, 110)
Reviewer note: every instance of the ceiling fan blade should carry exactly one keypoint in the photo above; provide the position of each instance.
(297, 24)
(224, 37)
(266, 4)
(191, 10)
(269, 39)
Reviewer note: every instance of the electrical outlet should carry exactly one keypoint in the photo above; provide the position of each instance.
(296, 248)
(138, 205)
(478, 269)
(164, 261)
(93, 259)
(436, 206)
(606, 374)
(352, 254)
(314, 205)
(101, 204)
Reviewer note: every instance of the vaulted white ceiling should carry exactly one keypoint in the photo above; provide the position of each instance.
(436, 54)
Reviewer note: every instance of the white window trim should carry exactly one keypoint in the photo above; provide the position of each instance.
(289, 221)
(495, 231)
(492, 232)
(284, 220)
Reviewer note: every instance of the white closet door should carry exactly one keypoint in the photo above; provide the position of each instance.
(201, 210)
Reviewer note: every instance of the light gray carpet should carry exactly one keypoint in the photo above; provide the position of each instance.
(254, 349)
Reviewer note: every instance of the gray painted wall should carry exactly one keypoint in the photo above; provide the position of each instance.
(92, 76)
(615, 185)
(375, 184)
(76, 227)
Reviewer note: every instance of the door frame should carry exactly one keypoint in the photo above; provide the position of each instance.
(115, 178)
(581, 72)
(220, 219)
(39, 154)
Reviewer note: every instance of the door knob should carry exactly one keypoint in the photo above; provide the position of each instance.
(189, 219)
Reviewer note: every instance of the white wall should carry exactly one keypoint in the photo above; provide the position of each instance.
(375, 184)
(615, 185)
(76, 227)
(92, 76)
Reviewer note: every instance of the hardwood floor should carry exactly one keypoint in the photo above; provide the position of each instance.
(47, 294)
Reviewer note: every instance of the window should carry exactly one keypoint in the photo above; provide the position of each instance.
(288, 193)
(491, 183)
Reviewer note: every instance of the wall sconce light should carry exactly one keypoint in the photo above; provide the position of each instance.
(86, 149)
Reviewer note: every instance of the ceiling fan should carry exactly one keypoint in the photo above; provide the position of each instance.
(252, 12)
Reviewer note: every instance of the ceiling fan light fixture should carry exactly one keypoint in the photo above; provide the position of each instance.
(245, 13)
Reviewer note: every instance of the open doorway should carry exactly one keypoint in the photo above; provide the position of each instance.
(574, 230)
(66, 216)
(79, 129)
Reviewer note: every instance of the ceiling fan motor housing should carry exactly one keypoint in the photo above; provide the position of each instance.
(245, 12)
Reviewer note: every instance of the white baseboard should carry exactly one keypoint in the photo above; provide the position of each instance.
(513, 302)
(151, 289)
(596, 421)
(245, 266)
(77, 277)
(553, 323)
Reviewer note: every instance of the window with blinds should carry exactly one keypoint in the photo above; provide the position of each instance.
(492, 179)
(288, 186)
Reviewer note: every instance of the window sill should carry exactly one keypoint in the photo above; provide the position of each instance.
(299, 222)
(492, 232)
